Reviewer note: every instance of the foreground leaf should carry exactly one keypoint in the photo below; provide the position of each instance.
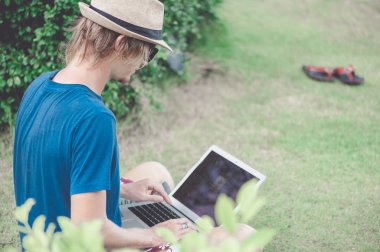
(166, 234)
(205, 224)
(224, 213)
(229, 245)
(249, 213)
(247, 195)
(22, 212)
(193, 242)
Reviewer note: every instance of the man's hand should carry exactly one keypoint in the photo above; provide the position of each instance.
(144, 190)
(90, 206)
(179, 227)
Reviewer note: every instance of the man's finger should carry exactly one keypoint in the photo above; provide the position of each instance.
(154, 198)
(190, 227)
(187, 230)
(193, 227)
(181, 220)
(160, 189)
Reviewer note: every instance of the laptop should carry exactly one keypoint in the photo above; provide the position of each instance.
(217, 172)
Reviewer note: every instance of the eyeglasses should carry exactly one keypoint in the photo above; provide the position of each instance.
(152, 53)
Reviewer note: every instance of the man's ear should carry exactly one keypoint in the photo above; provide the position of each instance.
(117, 44)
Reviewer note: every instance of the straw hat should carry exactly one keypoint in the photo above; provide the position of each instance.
(140, 19)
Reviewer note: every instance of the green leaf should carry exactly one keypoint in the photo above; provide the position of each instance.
(23, 229)
(42, 240)
(85, 237)
(224, 213)
(29, 242)
(35, 242)
(39, 224)
(36, 239)
(22, 212)
(50, 231)
(255, 207)
(193, 242)
(91, 235)
(205, 224)
(66, 225)
(10, 82)
(230, 244)
(166, 234)
(57, 243)
(246, 195)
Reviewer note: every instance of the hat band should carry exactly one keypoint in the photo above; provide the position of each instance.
(149, 33)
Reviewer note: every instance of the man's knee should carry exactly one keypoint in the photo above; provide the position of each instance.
(153, 170)
(244, 231)
(162, 173)
(159, 172)
(157, 167)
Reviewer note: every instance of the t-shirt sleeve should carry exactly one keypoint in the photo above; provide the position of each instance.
(93, 144)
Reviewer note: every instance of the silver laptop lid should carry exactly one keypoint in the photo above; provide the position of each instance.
(217, 172)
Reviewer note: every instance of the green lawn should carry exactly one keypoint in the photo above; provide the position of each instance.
(318, 143)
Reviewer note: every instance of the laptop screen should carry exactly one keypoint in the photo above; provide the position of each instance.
(215, 175)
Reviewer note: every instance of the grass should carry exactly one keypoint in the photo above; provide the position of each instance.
(8, 224)
(318, 143)
(322, 141)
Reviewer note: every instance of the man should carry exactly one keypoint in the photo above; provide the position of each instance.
(66, 151)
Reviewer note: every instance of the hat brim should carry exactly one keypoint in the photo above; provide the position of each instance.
(99, 19)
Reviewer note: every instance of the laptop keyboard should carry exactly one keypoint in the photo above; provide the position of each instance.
(153, 213)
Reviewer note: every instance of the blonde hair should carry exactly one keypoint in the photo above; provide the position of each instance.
(92, 41)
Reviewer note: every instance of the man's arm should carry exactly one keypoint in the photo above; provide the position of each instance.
(91, 206)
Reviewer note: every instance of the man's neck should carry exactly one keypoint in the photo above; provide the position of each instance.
(94, 77)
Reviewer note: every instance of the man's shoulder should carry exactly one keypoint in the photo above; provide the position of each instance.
(97, 111)
(38, 82)
(89, 105)
(43, 77)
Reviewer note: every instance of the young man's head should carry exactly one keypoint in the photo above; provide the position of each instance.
(96, 44)
(122, 33)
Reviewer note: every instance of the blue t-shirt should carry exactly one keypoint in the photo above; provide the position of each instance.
(65, 144)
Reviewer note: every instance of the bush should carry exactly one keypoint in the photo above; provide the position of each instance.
(87, 237)
(32, 33)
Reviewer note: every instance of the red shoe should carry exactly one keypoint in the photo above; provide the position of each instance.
(347, 75)
(319, 73)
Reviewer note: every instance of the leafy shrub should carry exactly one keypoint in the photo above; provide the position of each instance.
(33, 34)
(87, 236)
